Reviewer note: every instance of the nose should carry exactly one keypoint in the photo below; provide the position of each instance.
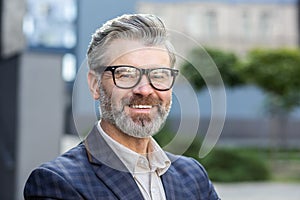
(143, 87)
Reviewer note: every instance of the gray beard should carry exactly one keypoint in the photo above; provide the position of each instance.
(140, 127)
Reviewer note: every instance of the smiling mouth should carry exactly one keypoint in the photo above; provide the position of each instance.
(141, 106)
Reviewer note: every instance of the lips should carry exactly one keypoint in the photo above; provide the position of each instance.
(138, 104)
(140, 109)
(141, 102)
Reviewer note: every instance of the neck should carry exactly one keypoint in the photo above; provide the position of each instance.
(139, 145)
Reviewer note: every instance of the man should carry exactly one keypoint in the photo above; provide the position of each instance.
(131, 72)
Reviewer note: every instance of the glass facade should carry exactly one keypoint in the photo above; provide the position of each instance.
(51, 24)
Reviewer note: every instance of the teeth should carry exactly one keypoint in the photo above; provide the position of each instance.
(141, 106)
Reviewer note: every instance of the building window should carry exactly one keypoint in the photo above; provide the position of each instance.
(51, 24)
(210, 24)
(193, 24)
(265, 24)
(246, 25)
(69, 67)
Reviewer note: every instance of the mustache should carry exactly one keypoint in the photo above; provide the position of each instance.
(142, 100)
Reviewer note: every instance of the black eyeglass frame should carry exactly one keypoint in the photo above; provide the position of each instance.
(174, 73)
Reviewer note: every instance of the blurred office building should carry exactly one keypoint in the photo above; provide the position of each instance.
(12, 43)
(37, 41)
(237, 25)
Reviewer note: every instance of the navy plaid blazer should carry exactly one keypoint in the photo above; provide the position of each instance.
(80, 174)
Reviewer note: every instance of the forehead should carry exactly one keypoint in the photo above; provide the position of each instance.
(128, 52)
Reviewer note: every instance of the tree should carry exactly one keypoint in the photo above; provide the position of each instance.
(277, 72)
(200, 61)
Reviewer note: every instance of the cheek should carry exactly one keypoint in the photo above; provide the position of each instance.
(117, 95)
(166, 98)
(111, 93)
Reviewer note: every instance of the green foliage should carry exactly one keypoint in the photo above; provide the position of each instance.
(201, 67)
(228, 165)
(164, 136)
(224, 165)
(232, 165)
(277, 72)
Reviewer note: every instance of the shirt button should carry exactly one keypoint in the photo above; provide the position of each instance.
(154, 190)
(143, 162)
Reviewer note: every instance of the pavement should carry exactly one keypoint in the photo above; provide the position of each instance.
(259, 191)
(233, 191)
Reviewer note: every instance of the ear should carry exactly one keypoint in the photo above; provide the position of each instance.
(93, 85)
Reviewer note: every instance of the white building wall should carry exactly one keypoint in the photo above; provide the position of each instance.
(235, 26)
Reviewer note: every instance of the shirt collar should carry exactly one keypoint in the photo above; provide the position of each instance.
(156, 160)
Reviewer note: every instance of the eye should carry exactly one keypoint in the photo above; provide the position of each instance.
(160, 74)
(126, 73)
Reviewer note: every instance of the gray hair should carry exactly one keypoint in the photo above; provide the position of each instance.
(145, 28)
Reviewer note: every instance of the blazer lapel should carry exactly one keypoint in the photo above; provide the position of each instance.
(109, 168)
(120, 183)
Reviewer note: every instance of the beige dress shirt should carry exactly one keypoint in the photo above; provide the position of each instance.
(145, 169)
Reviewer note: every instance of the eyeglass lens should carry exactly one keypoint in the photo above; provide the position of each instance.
(127, 77)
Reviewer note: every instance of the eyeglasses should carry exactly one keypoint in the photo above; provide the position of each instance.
(127, 77)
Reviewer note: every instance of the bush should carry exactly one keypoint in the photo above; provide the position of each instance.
(223, 164)
(229, 165)
(232, 165)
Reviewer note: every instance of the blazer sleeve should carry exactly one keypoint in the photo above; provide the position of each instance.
(45, 184)
(211, 192)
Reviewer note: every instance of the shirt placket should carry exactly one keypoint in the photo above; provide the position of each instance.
(143, 177)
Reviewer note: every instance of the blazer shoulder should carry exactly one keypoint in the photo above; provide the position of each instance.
(51, 178)
(190, 172)
(75, 158)
(179, 161)
(69, 176)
